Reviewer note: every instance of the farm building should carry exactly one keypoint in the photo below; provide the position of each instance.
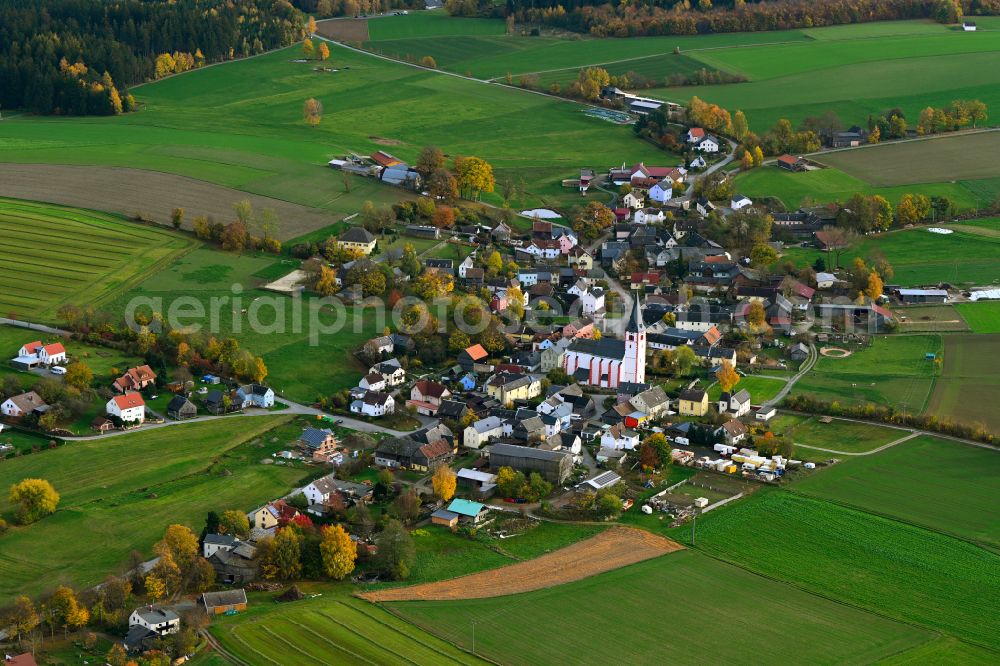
(791, 163)
(922, 295)
(847, 139)
(554, 466)
(445, 518)
(217, 603)
(422, 231)
(180, 408)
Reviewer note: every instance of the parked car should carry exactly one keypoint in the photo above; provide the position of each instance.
(57, 370)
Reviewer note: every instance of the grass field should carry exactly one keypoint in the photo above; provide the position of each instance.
(889, 567)
(838, 435)
(230, 286)
(214, 125)
(932, 482)
(956, 157)
(50, 255)
(833, 185)
(938, 318)
(761, 389)
(892, 371)
(982, 317)
(332, 628)
(920, 257)
(622, 609)
(969, 377)
(121, 493)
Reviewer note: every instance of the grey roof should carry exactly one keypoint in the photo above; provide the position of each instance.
(224, 598)
(356, 235)
(220, 539)
(487, 424)
(695, 395)
(136, 635)
(527, 452)
(156, 615)
(330, 483)
(604, 348)
(178, 402)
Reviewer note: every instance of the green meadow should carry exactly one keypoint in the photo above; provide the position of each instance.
(982, 317)
(891, 568)
(682, 591)
(838, 435)
(969, 377)
(119, 493)
(51, 255)
(216, 124)
(936, 483)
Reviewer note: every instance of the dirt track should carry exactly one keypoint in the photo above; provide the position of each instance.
(154, 194)
(614, 548)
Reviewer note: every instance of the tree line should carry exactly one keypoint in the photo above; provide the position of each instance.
(77, 57)
(684, 17)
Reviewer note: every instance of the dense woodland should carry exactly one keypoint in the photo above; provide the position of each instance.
(690, 17)
(77, 57)
(328, 8)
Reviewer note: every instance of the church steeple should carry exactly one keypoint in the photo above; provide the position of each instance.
(635, 323)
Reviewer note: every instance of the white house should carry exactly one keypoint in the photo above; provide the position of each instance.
(825, 280)
(482, 431)
(733, 431)
(34, 353)
(579, 288)
(740, 201)
(544, 249)
(373, 381)
(19, 405)
(662, 192)
(620, 438)
(463, 268)
(391, 371)
(159, 620)
(632, 200)
(592, 301)
(695, 134)
(708, 145)
(648, 216)
(213, 543)
(969, 26)
(255, 395)
(374, 403)
(735, 405)
(699, 163)
(130, 408)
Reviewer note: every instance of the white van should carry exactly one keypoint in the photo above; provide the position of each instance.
(57, 370)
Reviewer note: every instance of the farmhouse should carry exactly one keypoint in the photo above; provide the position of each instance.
(407, 453)
(26, 403)
(847, 139)
(236, 566)
(709, 144)
(254, 395)
(791, 163)
(426, 396)
(695, 134)
(554, 466)
(135, 379)
(357, 239)
(149, 623)
(129, 408)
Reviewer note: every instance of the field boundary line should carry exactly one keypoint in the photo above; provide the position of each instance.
(243, 642)
(354, 630)
(214, 643)
(397, 630)
(309, 655)
(863, 453)
(439, 636)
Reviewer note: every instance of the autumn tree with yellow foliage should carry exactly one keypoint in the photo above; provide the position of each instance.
(35, 499)
(338, 551)
(444, 482)
(312, 111)
(727, 377)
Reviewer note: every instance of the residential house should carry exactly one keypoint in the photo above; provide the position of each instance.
(692, 402)
(798, 352)
(633, 200)
(321, 490)
(373, 381)
(695, 135)
(698, 162)
(129, 408)
(426, 396)
(501, 232)
(554, 466)
(508, 387)
(273, 514)
(552, 356)
(543, 248)
(579, 258)
(482, 431)
(379, 346)
(316, 442)
(374, 404)
(468, 511)
(135, 379)
(619, 437)
(714, 356)
(17, 406)
(592, 301)
(736, 404)
(733, 430)
(35, 353)
(653, 402)
(648, 216)
(391, 371)
(180, 408)
(161, 621)
(740, 201)
(213, 543)
(254, 395)
(408, 453)
(357, 239)
(709, 144)
(662, 192)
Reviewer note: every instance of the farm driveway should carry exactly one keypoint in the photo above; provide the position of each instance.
(154, 194)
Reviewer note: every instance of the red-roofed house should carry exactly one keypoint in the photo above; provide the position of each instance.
(130, 408)
(30, 348)
(36, 353)
(426, 396)
(469, 356)
(135, 379)
(791, 163)
(695, 134)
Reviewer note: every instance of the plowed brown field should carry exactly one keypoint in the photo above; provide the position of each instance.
(614, 548)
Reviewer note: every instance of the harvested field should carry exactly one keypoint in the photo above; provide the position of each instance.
(969, 381)
(611, 549)
(934, 318)
(154, 194)
(961, 156)
(343, 30)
